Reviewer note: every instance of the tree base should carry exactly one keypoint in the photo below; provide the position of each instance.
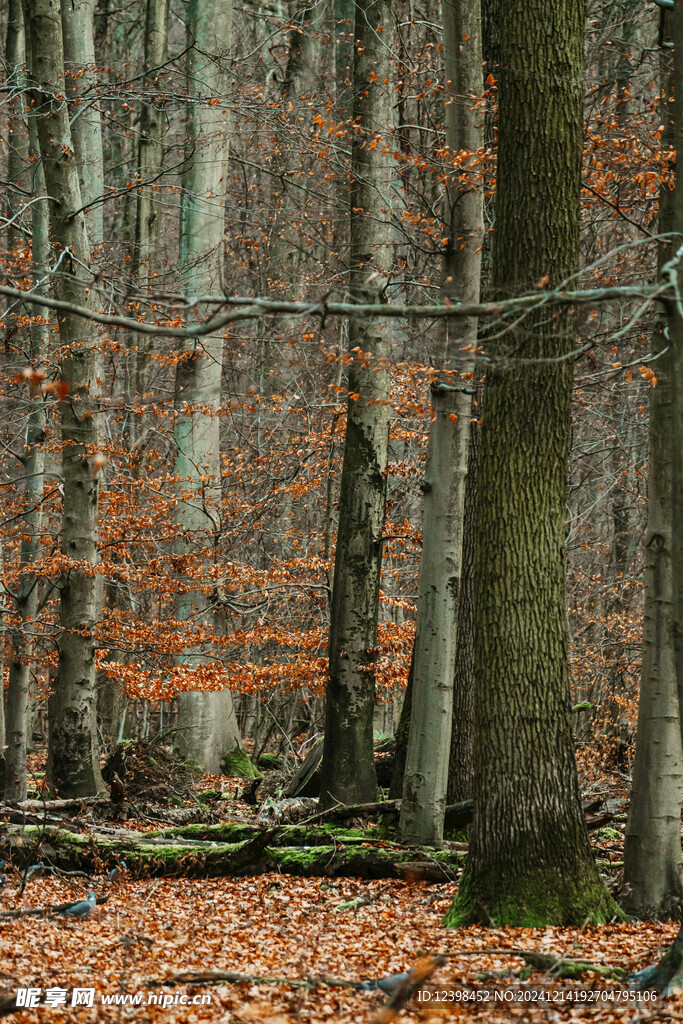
(546, 899)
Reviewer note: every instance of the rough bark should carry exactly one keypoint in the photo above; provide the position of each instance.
(427, 759)
(348, 773)
(207, 725)
(86, 126)
(653, 870)
(73, 767)
(530, 861)
(18, 716)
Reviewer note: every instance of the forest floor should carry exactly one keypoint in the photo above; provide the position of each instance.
(275, 926)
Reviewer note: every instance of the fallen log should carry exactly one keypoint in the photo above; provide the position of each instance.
(261, 851)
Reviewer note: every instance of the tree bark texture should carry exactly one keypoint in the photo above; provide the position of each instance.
(426, 773)
(86, 126)
(676, 340)
(653, 869)
(530, 861)
(16, 138)
(207, 723)
(348, 773)
(73, 768)
(150, 170)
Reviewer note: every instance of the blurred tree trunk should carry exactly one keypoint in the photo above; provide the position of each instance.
(530, 861)
(207, 725)
(73, 768)
(427, 759)
(348, 771)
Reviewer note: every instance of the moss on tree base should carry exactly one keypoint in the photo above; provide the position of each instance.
(239, 764)
(547, 898)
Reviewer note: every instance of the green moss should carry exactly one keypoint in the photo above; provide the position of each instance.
(238, 763)
(545, 899)
(605, 834)
(270, 762)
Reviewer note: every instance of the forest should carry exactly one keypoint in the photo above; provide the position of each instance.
(341, 510)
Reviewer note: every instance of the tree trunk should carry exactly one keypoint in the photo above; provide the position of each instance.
(530, 861)
(73, 768)
(348, 773)
(461, 759)
(86, 125)
(668, 974)
(18, 700)
(207, 725)
(652, 850)
(149, 205)
(426, 773)
(18, 191)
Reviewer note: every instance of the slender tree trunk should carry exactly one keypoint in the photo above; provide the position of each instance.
(461, 759)
(86, 125)
(18, 691)
(149, 205)
(73, 768)
(530, 861)
(348, 771)
(18, 192)
(653, 869)
(426, 773)
(676, 339)
(668, 975)
(207, 725)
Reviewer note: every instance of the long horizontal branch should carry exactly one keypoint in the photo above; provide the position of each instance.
(247, 308)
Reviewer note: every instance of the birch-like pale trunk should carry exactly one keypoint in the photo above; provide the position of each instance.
(668, 976)
(86, 124)
(73, 767)
(653, 868)
(348, 772)
(427, 758)
(18, 719)
(207, 725)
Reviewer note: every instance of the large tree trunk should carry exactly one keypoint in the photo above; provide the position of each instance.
(18, 717)
(73, 768)
(426, 772)
(652, 852)
(530, 861)
(348, 773)
(207, 726)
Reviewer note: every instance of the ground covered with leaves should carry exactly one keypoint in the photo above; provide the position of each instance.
(150, 949)
(278, 926)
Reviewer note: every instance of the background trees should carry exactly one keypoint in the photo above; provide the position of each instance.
(232, 462)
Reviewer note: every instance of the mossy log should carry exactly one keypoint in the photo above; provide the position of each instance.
(228, 850)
